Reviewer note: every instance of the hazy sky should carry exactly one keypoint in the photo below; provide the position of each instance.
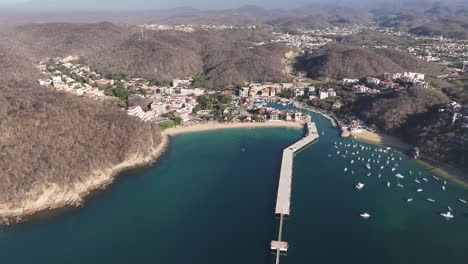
(162, 4)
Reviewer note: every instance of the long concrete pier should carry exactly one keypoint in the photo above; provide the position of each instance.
(283, 199)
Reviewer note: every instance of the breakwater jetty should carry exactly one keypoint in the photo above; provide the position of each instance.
(283, 199)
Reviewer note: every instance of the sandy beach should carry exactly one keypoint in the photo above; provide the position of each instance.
(217, 126)
(382, 139)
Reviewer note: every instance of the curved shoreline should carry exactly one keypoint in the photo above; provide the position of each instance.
(440, 169)
(54, 197)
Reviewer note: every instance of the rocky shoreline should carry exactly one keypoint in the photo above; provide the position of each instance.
(53, 197)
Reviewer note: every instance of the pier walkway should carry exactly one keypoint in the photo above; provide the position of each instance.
(283, 199)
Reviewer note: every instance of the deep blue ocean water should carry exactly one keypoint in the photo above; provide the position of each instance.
(211, 199)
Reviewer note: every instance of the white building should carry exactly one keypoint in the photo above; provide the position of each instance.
(413, 75)
(57, 80)
(360, 89)
(346, 81)
(180, 83)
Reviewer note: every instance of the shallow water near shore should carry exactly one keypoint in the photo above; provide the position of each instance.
(211, 198)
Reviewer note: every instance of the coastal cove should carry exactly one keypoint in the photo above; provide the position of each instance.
(210, 199)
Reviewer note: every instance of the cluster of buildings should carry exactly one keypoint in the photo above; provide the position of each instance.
(454, 112)
(335, 31)
(438, 49)
(63, 75)
(298, 89)
(302, 42)
(388, 81)
(192, 27)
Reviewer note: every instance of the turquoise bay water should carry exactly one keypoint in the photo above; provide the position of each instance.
(211, 199)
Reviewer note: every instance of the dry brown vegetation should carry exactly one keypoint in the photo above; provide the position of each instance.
(347, 61)
(226, 57)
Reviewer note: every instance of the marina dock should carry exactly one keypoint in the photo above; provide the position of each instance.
(283, 199)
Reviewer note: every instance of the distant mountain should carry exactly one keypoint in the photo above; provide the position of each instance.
(439, 20)
(346, 61)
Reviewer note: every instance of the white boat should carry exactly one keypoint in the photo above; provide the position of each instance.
(393, 169)
(419, 190)
(417, 181)
(352, 172)
(399, 185)
(450, 208)
(365, 215)
(443, 187)
(462, 201)
(380, 175)
(398, 175)
(435, 178)
(359, 186)
(426, 180)
(345, 169)
(409, 200)
(368, 166)
(445, 182)
(410, 172)
(381, 167)
(352, 161)
(369, 174)
(447, 215)
(430, 200)
(388, 184)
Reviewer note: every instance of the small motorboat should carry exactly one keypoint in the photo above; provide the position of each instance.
(388, 184)
(462, 201)
(393, 169)
(450, 208)
(369, 174)
(409, 200)
(435, 178)
(359, 186)
(365, 215)
(430, 200)
(345, 169)
(398, 175)
(419, 190)
(417, 181)
(443, 187)
(426, 180)
(400, 185)
(447, 215)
